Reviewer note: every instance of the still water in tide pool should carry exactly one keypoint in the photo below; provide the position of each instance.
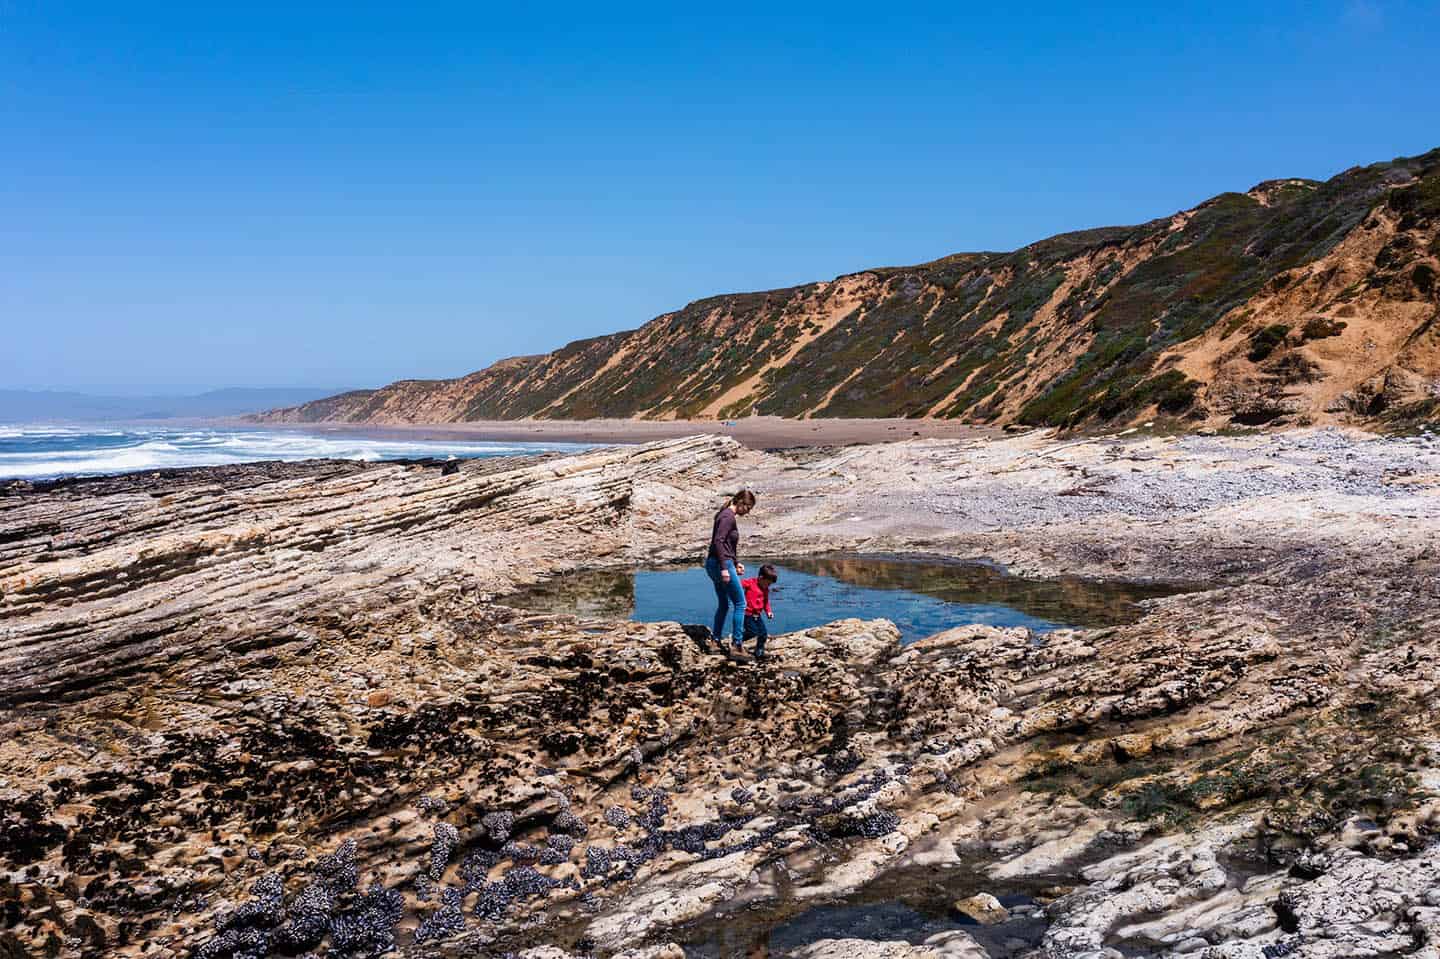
(920, 597)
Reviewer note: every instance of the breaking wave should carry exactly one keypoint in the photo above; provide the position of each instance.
(49, 452)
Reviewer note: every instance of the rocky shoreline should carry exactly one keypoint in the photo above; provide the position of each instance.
(278, 711)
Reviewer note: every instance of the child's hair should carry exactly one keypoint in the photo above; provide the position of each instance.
(743, 498)
(768, 572)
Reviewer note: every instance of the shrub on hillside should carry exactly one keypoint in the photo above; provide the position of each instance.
(1424, 278)
(1319, 327)
(1178, 395)
(1416, 203)
(1293, 367)
(1395, 253)
(1265, 340)
(1171, 392)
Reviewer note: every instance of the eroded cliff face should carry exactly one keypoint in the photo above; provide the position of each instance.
(273, 710)
(1299, 300)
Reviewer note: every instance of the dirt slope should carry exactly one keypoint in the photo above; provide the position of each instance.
(1297, 301)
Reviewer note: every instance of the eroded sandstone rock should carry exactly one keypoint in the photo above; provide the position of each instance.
(194, 755)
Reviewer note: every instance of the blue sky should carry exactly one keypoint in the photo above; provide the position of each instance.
(203, 195)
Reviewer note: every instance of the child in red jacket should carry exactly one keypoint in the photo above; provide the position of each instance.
(757, 607)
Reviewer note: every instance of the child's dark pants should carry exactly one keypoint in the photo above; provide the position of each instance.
(756, 627)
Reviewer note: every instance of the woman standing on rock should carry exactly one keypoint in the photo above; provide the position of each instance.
(724, 568)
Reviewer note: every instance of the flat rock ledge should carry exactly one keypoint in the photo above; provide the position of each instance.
(282, 713)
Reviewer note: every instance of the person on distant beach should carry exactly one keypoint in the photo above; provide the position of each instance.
(724, 568)
(757, 607)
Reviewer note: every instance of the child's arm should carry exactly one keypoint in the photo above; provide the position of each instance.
(768, 611)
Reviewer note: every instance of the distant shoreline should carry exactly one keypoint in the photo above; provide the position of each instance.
(756, 432)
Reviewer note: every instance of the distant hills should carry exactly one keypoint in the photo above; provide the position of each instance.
(1295, 301)
(30, 406)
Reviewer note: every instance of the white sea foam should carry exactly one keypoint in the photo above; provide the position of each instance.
(45, 452)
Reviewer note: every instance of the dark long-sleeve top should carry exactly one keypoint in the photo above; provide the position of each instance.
(725, 538)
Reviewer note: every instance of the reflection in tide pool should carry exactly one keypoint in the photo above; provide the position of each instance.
(920, 597)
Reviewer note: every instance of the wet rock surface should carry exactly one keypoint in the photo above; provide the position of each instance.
(251, 714)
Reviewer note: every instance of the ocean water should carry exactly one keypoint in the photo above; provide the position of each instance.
(32, 452)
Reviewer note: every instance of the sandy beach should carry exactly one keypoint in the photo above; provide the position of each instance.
(755, 432)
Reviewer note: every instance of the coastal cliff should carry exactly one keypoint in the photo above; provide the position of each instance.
(1296, 302)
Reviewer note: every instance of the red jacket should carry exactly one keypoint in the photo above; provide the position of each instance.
(757, 596)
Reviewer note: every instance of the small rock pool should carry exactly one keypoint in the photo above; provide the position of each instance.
(921, 596)
(906, 906)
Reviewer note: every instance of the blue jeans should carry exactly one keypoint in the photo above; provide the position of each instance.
(756, 626)
(727, 595)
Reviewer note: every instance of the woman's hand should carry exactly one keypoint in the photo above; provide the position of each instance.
(725, 575)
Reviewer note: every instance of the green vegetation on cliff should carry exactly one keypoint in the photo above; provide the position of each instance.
(1081, 327)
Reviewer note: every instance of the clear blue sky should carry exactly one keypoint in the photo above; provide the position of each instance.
(212, 194)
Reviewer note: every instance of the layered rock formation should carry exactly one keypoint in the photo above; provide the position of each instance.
(1296, 300)
(96, 587)
(276, 710)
